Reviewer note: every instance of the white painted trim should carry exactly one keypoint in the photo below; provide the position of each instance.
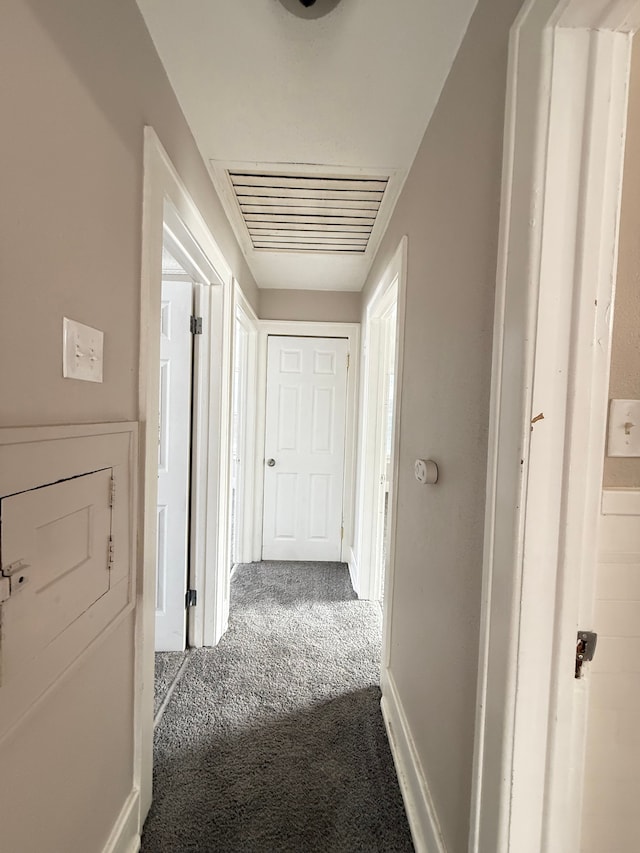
(353, 571)
(167, 203)
(564, 145)
(621, 502)
(125, 836)
(421, 812)
(247, 317)
(216, 576)
(390, 290)
(400, 261)
(351, 331)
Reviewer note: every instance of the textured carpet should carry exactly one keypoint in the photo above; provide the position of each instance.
(274, 740)
(167, 666)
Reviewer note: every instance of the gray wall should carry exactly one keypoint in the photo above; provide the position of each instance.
(81, 79)
(624, 383)
(313, 305)
(449, 209)
(84, 80)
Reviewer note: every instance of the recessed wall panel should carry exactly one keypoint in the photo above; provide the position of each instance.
(66, 542)
(288, 416)
(290, 361)
(324, 363)
(165, 320)
(163, 415)
(55, 546)
(322, 420)
(319, 494)
(285, 515)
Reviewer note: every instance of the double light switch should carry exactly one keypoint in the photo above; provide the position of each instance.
(82, 351)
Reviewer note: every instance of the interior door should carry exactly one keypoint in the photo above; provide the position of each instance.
(174, 448)
(304, 448)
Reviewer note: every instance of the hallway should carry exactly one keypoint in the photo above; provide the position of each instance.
(274, 740)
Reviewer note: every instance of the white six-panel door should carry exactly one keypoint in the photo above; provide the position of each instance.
(174, 440)
(304, 448)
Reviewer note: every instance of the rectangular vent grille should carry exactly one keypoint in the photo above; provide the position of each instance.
(308, 213)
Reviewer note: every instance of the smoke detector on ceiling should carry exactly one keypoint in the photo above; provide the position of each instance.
(310, 9)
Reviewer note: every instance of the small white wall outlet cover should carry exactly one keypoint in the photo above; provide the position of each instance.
(426, 472)
(624, 428)
(82, 351)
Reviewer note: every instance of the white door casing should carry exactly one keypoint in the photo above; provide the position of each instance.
(238, 439)
(169, 212)
(564, 145)
(304, 448)
(174, 448)
(248, 439)
(364, 563)
(385, 460)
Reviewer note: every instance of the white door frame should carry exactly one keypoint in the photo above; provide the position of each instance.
(169, 209)
(365, 568)
(351, 331)
(247, 318)
(562, 174)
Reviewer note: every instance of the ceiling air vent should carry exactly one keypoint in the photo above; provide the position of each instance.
(308, 213)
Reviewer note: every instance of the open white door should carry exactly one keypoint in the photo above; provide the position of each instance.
(304, 448)
(174, 440)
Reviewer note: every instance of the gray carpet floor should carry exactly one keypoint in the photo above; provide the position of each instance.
(274, 741)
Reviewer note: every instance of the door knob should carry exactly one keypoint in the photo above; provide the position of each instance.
(271, 462)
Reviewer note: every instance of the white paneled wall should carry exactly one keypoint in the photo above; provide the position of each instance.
(611, 813)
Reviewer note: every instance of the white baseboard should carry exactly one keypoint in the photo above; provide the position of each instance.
(423, 821)
(621, 502)
(353, 572)
(125, 837)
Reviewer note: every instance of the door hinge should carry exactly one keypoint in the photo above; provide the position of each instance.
(5, 589)
(348, 360)
(191, 598)
(110, 554)
(196, 325)
(112, 492)
(342, 533)
(585, 649)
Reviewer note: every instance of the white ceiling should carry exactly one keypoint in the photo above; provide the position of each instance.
(350, 93)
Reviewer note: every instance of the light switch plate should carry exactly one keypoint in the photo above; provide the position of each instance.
(82, 348)
(624, 428)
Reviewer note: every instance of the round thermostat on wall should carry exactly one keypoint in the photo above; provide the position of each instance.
(426, 472)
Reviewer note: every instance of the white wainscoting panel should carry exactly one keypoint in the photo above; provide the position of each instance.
(611, 817)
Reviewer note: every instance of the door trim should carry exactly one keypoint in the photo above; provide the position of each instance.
(366, 574)
(248, 319)
(350, 331)
(168, 207)
(562, 172)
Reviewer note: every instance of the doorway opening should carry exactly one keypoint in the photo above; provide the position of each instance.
(389, 322)
(243, 432)
(238, 433)
(372, 557)
(177, 330)
(172, 220)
